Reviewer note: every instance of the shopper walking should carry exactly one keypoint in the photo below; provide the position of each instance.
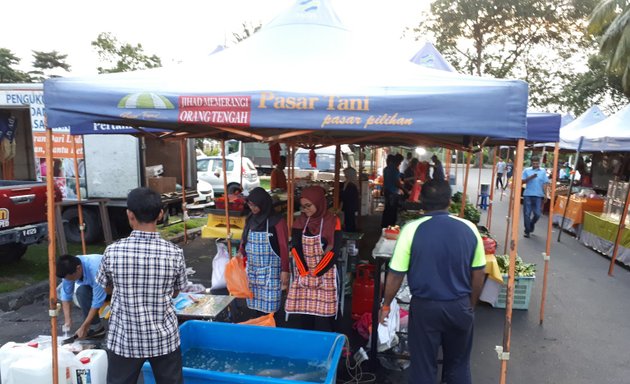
(535, 179)
(500, 171)
(443, 258)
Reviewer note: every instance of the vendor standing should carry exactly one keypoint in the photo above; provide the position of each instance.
(392, 189)
(265, 245)
(278, 178)
(350, 199)
(80, 272)
(316, 241)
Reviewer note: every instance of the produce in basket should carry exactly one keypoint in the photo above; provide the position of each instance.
(521, 269)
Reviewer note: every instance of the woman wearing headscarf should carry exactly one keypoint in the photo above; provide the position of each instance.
(349, 197)
(265, 245)
(316, 237)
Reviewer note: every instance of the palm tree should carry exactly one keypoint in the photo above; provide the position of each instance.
(610, 21)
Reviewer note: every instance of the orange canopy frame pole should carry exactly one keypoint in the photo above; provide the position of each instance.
(464, 196)
(622, 226)
(507, 331)
(456, 161)
(183, 155)
(336, 187)
(508, 218)
(52, 249)
(447, 164)
(492, 182)
(228, 234)
(480, 168)
(547, 254)
(78, 192)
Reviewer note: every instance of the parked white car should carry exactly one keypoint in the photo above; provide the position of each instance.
(210, 170)
(205, 190)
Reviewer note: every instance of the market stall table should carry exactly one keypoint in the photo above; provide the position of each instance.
(599, 232)
(575, 211)
(201, 306)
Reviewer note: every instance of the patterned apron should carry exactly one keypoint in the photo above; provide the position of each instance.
(312, 295)
(263, 272)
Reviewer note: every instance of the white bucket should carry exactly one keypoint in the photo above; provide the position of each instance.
(38, 368)
(92, 368)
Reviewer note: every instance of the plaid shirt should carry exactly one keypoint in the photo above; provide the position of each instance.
(144, 270)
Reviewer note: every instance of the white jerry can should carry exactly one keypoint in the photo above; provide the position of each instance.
(38, 368)
(92, 368)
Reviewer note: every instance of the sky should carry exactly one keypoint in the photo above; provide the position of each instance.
(179, 31)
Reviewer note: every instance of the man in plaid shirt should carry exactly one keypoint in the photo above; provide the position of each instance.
(144, 272)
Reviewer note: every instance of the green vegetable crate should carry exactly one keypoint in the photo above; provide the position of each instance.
(522, 292)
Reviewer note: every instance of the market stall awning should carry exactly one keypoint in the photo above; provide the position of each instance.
(541, 127)
(305, 71)
(571, 133)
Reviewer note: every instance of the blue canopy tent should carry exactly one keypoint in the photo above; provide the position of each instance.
(304, 78)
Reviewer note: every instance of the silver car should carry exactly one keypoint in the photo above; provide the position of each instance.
(210, 170)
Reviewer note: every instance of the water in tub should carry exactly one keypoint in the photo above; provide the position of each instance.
(247, 363)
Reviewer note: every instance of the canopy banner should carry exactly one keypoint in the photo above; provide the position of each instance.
(269, 109)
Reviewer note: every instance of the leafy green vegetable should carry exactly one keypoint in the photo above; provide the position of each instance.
(521, 269)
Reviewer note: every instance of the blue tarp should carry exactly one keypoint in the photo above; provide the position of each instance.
(541, 127)
(304, 70)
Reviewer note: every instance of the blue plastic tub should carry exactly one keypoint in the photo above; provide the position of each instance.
(275, 342)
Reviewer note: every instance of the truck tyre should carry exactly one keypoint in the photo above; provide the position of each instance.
(12, 252)
(93, 230)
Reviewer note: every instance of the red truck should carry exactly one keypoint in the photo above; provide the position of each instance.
(22, 217)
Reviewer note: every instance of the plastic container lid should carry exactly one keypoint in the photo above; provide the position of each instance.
(33, 344)
(84, 360)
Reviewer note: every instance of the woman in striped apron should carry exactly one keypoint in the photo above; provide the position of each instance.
(316, 238)
(265, 245)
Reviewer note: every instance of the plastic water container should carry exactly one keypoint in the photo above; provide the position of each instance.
(92, 368)
(11, 352)
(38, 368)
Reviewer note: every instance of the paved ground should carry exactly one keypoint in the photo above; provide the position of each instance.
(584, 338)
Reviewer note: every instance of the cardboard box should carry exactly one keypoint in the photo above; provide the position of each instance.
(162, 184)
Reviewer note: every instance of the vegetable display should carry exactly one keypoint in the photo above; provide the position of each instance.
(521, 269)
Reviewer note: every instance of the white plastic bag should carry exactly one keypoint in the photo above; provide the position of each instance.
(218, 266)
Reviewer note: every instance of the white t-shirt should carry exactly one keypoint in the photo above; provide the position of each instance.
(501, 167)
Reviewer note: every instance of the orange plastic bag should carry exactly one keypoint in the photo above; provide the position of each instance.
(236, 279)
(263, 321)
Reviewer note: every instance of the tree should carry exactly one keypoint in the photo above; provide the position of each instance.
(610, 21)
(122, 57)
(595, 86)
(534, 40)
(7, 73)
(47, 61)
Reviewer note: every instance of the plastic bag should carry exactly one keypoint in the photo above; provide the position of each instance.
(218, 267)
(263, 321)
(236, 279)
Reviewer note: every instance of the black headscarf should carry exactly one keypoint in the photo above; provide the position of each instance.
(258, 222)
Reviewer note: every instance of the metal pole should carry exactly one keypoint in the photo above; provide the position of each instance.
(494, 164)
(547, 254)
(228, 236)
(52, 248)
(622, 226)
(464, 198)
(336, 178)
(479, 176)
(507, 331)
(183, 153)
(78, 192)
(447, 164)
(361, 164)
(566, 207)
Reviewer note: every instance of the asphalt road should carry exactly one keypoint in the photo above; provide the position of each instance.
(583, 340)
